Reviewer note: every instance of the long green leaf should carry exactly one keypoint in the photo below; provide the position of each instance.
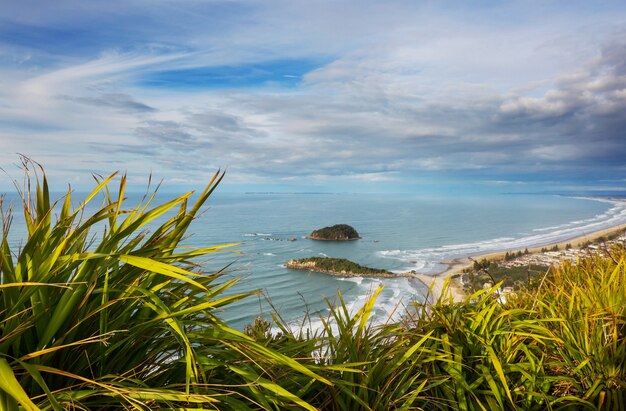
(10, 385)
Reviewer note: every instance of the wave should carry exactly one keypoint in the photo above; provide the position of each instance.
(615, 211)
(257, 235)
(399, 292)
(396, 295)
(357, 280)
(430, 260)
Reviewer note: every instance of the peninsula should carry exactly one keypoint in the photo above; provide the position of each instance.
(338, 232)
(340, 267)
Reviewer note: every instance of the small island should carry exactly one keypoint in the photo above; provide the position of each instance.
(340, 267)
(338, 232)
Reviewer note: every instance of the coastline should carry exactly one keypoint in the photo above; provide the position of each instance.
(436, 282)
(443, 283)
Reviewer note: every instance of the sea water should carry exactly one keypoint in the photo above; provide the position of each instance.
(399, 233)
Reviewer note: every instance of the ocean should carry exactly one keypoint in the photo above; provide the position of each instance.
(399, 233)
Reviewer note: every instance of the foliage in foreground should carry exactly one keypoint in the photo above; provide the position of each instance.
(127, 320)
(97, 312)
(492, 271)
(560, 345)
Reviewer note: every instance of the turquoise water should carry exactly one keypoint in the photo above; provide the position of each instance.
(399, 233)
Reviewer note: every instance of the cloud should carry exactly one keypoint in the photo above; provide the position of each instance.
(166, 133)
(581, 118)
(119, 101)
(126, 149)
(215, 121)
(351, 91)
(108, 67)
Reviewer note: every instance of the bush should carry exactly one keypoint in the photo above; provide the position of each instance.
(584, 307)
(97, 312)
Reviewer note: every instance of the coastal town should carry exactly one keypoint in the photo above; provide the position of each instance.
(554, 256)
(517, 268)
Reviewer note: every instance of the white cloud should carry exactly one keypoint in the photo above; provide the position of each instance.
(402, 88)
(556, 153)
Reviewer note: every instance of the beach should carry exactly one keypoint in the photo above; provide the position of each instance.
(414, 234)
(437, 282)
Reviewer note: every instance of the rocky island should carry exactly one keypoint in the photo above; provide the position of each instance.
(340, 267)
(338, 232)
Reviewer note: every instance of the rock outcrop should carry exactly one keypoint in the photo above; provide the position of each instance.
(339, 232)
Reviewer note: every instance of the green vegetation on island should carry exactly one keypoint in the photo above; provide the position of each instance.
(97, 313)
(337, 266)
(338, 232)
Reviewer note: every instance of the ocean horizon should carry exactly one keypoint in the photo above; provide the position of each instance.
(399, 233)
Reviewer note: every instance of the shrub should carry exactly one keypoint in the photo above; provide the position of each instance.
(107, 310)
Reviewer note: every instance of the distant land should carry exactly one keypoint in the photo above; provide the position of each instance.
(290, 193)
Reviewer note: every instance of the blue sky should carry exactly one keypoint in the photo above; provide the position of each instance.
(409, 96)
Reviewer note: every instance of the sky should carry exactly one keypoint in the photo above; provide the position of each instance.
(318, 96)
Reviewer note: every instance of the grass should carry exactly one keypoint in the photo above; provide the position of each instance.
(588, 302)
(108, 311)
(560, 345)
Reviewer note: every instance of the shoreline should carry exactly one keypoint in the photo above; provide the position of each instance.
(442, 283)
(436, 282)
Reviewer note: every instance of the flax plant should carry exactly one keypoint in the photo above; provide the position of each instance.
(488, 355)
(557, 347)
(107, 310)
(372, 366)
(588, 356)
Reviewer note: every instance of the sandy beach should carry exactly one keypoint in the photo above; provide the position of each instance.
(436, 282)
